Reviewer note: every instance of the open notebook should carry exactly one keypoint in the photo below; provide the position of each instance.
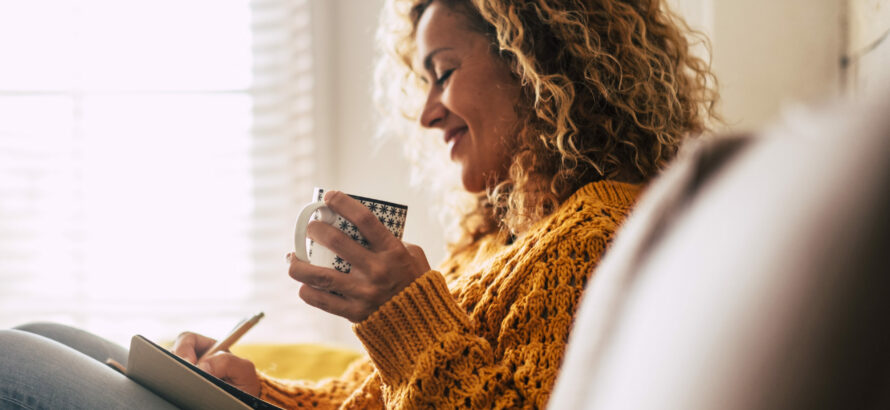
(182, 383)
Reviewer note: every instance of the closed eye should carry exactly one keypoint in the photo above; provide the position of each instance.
(441, 80)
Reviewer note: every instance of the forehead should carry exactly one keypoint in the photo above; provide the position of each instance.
(440, 26)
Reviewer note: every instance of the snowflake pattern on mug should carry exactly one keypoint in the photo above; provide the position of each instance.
(391, 215)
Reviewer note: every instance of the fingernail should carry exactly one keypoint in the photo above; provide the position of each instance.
(289, 256)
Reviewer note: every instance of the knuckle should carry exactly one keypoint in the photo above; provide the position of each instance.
(230, 360)
(335, 199)
(246, 365)
(316, 230)
(338, 241)
(391, 242)
(367, 218)
(376, 270)
(349, 288)
(308, 296)
(312, 228)
(221, 359)
(366, 293)
(225, 362)
(323, 281)
(334, 196)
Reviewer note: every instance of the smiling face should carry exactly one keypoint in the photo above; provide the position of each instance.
(471, 95)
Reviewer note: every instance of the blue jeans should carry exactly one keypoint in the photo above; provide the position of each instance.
(51, 366)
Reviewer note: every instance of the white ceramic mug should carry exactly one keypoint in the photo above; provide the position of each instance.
(390, 214)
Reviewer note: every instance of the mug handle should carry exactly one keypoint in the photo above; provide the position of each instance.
(326, 215)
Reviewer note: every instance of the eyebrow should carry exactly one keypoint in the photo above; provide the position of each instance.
(428, 60)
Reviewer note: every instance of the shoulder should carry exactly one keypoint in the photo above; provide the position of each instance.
(595, 207)
(608, 194)
(582, 225)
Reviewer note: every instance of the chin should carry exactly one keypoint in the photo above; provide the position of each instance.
(473, 188)
(472, 184)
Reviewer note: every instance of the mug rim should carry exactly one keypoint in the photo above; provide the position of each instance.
(379, 201)
(364, 198)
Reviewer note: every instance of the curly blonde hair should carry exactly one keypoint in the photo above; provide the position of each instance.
(609, 89)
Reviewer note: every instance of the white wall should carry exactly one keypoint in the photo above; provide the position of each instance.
(869, 46)
(768, 54)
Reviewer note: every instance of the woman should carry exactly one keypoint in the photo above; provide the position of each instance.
(556, 115)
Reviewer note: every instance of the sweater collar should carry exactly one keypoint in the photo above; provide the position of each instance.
(610, 193)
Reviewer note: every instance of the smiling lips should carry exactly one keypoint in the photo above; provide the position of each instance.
(452, 137)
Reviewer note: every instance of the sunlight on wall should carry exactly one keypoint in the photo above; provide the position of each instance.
(113, 45)
(179, 186)
(125, 162)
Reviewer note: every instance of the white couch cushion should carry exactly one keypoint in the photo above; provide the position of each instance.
(752, 275)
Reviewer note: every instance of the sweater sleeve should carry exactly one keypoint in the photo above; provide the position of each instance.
(325, 394)
(423, 346)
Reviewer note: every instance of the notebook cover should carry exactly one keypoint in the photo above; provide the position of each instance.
(182, 383)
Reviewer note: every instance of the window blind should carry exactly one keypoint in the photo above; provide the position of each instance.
(152, 158)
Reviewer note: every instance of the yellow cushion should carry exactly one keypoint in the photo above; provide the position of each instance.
(297, 361)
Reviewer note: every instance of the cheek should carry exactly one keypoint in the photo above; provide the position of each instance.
(487, 106)
(500, 99)
(492, 111)
(502, 118)
(464, 98)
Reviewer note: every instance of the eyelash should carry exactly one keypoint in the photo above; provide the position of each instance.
(441, 80)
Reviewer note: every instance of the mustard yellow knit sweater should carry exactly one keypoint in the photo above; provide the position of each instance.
(489, 331)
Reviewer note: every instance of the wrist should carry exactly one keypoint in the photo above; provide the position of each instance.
(404, 327)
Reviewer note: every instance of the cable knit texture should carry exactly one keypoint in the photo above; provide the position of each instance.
(489, 331)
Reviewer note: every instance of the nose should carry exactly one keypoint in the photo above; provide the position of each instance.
(433, 112)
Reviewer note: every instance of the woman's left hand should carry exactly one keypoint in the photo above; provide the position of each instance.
(378, 273)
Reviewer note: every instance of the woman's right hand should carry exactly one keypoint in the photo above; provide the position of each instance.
(232, 369)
